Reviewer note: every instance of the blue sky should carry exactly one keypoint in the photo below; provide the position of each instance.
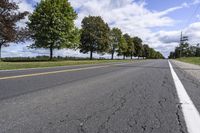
(182, 15)
(158, 22)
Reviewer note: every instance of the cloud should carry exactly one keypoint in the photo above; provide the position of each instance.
(21, 50)
(24, 6)
(166, 41)
(169, 36)
(195, 2)
(133, 18)
(193, 31)
(123, 12)
(130, 16)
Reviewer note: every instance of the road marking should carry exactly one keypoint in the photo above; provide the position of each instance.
(53, 72)
(40, 68)
(191, 115)
(59, 71)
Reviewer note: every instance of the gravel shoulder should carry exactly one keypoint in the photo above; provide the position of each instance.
(191, 69)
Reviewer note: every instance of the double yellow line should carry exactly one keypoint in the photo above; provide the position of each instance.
(53, 72)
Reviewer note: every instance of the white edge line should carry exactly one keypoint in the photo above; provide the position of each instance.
(190, 113)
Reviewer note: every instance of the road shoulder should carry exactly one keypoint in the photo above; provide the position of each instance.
(191, 69)
(189, 75)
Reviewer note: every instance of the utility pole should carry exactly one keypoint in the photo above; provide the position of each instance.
(183, 39)
(181, 42)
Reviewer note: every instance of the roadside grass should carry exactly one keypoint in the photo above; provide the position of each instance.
(192, 60)
(41, 64)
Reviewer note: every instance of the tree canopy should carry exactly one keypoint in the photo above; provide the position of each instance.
(123, 46)
(52, 25)
(9, 16)
(185, 50)
(131, 46)
(138, 46)
(95, 35)
(115, 36)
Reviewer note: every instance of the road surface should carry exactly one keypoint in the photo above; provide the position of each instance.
(138, 97)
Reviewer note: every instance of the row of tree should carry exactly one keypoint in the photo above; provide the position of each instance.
(51, 26)
(185, 50)
(96, 36)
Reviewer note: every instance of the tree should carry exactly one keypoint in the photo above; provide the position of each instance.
(155, 54)
(9, 16)
(172, 55)
(146, 52)
(138, 46)
(131, 47)
(115, 36)
(122, 48)
(94, 36)
(197, 51)
(52, 25)
(185, 50)
(158, 55)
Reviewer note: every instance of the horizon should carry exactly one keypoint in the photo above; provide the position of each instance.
(168, 19)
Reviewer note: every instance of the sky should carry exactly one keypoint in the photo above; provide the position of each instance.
(158, 22)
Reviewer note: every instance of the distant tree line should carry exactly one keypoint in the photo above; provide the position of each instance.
(185, 50)
(51, 26)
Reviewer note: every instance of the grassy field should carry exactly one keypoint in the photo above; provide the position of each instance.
(24, 65)
(192, 60)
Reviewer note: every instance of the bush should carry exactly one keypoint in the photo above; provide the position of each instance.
(45, 58)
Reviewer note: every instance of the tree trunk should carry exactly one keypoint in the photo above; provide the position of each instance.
(0, 52)
(51, 53)
(124, 57)
(112, 56)
(91, 54)
(131, 56)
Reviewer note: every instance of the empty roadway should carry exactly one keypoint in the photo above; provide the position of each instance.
(137, 97)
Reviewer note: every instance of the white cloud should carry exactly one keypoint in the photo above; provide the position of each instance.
(195, 2)
(166, 41)
(123, 12)
(192, 31)
(24, 5)
(130, 16)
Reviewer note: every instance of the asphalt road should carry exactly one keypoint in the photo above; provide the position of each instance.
(138, 97)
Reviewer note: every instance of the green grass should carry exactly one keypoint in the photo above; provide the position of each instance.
(192, 60)
(39, 64)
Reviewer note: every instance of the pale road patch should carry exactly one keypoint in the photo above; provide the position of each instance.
(190, 113)
(191, 69)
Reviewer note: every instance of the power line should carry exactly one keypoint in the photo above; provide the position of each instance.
(185, 38)
(191, 17)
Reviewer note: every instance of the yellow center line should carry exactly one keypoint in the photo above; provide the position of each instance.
(53, 72)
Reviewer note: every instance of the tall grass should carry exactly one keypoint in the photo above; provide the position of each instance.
(192, 60)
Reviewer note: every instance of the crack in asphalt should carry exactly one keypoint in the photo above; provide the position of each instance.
(181, 129)
(121, 105)
(143, 94)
